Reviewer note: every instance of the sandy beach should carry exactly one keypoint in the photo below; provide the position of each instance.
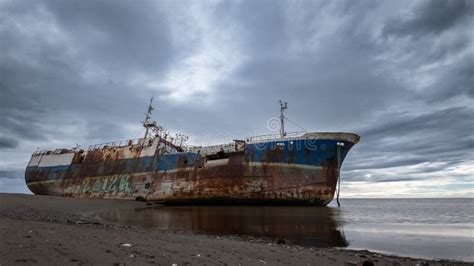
(58, 231)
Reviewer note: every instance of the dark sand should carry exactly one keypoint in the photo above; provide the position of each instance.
(58, 231)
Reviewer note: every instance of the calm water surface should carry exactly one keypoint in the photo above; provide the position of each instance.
(429, 228)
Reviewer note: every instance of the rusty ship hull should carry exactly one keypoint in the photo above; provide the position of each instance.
(302, 170)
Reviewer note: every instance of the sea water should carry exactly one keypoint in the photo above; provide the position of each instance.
(427, 228)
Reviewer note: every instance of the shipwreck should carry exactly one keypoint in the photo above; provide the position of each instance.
(287, 168)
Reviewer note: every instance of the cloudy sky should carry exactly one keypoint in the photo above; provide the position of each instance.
(399, 73)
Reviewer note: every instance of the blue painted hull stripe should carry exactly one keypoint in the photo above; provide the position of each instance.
(302, 152)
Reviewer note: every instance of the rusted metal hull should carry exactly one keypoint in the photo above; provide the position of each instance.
(280, 172)
(252, 184)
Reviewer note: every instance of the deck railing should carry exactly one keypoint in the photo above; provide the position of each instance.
(275, 136)
(208, 149)
(120, 143)
(228, 147)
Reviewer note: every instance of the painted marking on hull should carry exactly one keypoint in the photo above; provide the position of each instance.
(85, 187)
(105, 184)
(252, 164)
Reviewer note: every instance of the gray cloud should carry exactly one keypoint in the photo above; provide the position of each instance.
(400, 74)
(431, 17)
(78, 65)
(457, 79)
(8, 143)
(122, 36)
(442, 139)
(403, 179)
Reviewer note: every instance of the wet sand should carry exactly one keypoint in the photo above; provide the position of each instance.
(52, 230)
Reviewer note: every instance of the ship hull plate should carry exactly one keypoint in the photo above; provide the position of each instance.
(296, 172)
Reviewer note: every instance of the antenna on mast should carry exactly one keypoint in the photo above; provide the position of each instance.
(147, 123)
(153, 130)
(283, 106)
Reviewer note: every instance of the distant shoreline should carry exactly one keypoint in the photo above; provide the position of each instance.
(45, 230)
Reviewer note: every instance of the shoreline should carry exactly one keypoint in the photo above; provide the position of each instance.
(56, 230)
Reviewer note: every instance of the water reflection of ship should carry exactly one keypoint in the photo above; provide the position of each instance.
(319, 227)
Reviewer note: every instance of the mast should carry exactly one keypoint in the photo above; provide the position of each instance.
(152, 128)
(283, 106)
(147, 123)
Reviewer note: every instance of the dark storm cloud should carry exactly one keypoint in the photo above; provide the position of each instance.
(457, 79)
(8, 143)
(431, 17)
(75, 61)
(122, 35)
(442, 138)
(455, 119)
(399, 74)
(301, 57)
(448, 48)
(440, 39)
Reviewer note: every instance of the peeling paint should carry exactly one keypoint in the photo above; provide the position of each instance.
(298, 170)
